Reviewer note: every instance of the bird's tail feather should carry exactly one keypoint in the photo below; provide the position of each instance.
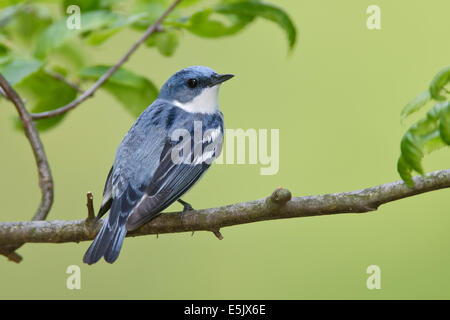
(113, 250)
(108, 243)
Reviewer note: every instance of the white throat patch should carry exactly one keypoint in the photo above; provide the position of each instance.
(206, 102)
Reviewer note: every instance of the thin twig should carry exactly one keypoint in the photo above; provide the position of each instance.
(218, 234)
(44, 173)
(90, 206)
(365, 200)
(90, 92)
(61, 78)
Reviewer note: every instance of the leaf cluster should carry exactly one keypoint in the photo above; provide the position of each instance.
(429, 133)
(46, 61)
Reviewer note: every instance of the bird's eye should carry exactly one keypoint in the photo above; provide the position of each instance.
(192, 83)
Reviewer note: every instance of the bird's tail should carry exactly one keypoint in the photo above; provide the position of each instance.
(107, 243)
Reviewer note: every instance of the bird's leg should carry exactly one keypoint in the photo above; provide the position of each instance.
(186, 207)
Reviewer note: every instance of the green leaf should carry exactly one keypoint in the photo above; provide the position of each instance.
(44, 93)
(415, 105)
(29, 22)
(423, 137)
(19, 69)
(203, 24)
(85, 5)
(438, 83)
(435, 113)
(266, 11)
(433, 142)
(166, 42)
(70, 55)
(412, 151)
(405, 171)
(99, 36)
(57, 34)
(135, 92)
(5, 54)
(154, 9)
(237, 15)
(428, 134)
(444, 125)
(6, 3)
(8, 13)
(188, 3)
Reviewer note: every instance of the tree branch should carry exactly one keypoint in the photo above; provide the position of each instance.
(90, 92)
(45, 176)
(90, 206)
(277, 206)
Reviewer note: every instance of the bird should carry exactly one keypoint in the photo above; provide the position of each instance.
(158, 160)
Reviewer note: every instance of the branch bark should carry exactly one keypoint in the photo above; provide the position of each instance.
(45, 176)
(155, 27)
(279, 205)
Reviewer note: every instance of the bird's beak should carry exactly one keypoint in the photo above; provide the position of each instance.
(218, 79)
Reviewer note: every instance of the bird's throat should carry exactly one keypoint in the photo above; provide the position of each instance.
(206, 102)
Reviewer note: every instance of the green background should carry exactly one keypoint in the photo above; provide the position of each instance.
(336, 101)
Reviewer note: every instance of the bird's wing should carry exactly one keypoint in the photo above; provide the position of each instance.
(136, 160)
(107, 196)
(172, 178)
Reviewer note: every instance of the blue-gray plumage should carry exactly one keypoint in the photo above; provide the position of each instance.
(145, 179)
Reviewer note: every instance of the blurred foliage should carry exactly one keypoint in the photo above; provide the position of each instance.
(57, 93)
(131, 90)
(430, 133)
(35, 41)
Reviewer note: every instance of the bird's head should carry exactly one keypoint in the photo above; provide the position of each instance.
(194, 89)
